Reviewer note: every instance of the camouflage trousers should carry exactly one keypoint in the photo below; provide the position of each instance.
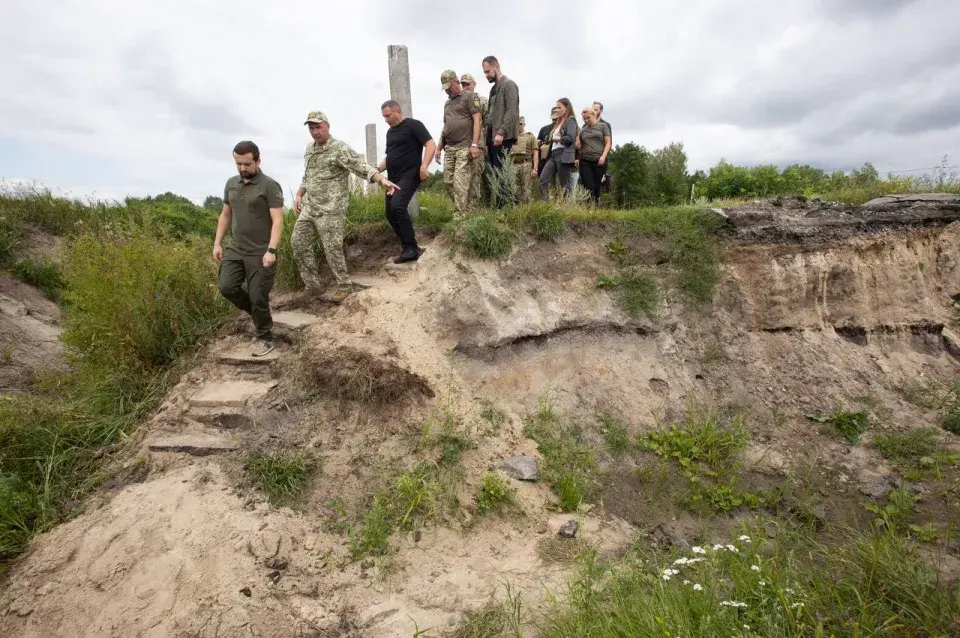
(328, 226)
(522, 170)
(459, 168)
(478, 185)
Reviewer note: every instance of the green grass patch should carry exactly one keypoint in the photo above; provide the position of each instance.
(44, 273)
(283, 478)
(705, 450)
(570, 462)
(636, 289)
(424, 494)
(496, 619)
(848, 424)
(614, 434)
(910, 446)
(494, 494)
(865, 584)
(485, 235)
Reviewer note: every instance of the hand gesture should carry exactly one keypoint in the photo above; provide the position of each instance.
(390, 186)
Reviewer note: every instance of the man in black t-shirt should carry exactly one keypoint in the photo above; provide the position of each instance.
(409, 151)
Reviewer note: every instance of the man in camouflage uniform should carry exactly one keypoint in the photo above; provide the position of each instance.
(480, 186)
(322, 202)
(524, 157)
(459, 142)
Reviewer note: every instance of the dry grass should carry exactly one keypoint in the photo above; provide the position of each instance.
(347, 373)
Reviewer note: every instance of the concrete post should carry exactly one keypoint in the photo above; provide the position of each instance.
(371, 153)
(398, 64)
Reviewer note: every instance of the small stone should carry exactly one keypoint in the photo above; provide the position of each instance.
(569, 529)
(274, 576)
(367, 564)
(276, 562)
(417, 535)
(246, 592)
(876, 486)
(522, 468)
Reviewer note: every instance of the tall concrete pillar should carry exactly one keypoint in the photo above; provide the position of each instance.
(371, 152)
(398, 64)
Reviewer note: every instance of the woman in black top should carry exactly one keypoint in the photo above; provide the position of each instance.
(563, 140)
(594, 147)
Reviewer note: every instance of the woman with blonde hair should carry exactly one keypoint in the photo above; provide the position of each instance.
(563, 140)
(594, 147)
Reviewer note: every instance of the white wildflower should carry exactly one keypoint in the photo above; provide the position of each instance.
(754, 568)
(763, 583)
(693, 561)
(732, 603)
(667, 573)
(686, 582)
(697, 587)
(699, 550)
(733, 549)
(717, 548)
(745, 539)
(788, 590)
(681, 561)
(747, 627)
(796, 605)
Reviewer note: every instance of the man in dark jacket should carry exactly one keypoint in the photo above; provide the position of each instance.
(503, 123)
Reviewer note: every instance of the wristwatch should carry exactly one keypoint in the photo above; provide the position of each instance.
(272, 250)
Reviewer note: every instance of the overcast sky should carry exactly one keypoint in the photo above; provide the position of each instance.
(109, 97)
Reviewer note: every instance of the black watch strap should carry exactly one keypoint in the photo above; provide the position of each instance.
(272, 251)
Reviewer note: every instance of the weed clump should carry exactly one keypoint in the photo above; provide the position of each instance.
(486, 235)
(908, 447)
(494, 494)
(637, 290)
(284, 479)
(570, 462)
(705, 451)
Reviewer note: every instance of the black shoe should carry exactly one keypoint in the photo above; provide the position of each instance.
(408, 254)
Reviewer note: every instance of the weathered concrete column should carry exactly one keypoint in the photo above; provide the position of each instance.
(398, 64)
(371, 152)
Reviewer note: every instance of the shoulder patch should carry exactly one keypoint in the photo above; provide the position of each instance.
(476, 100)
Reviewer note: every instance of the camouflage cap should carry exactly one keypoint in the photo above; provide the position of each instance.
(446, 78)
(316, 117)
(466, 77)
(523, 120)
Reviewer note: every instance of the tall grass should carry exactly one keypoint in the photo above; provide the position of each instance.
(864, 584)
(138, 291)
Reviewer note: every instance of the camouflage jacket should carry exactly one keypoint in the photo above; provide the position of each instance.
(326, 171)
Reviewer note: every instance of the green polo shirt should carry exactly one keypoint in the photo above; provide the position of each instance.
(251, 202)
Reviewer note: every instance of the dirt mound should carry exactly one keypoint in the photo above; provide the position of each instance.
(29, 335)
(449, 356)
(344, 372)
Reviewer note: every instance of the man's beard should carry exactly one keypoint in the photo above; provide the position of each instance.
(247, 174)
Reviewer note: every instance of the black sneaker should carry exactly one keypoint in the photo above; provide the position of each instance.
(408, 254)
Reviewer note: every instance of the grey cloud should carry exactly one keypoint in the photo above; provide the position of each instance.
(844, 10)
(143, 65)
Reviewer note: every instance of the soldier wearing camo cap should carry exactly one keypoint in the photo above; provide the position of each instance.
(460, 141)
(524, 158)
(322, 202)
(479, 186)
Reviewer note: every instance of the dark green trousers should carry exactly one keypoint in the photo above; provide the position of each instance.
(235, 271)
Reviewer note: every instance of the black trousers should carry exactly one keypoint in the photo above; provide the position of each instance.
(396, 207)
(591, 174)
(497, 156)
(235, 271)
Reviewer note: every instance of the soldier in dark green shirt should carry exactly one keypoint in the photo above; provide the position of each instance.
(253, 210)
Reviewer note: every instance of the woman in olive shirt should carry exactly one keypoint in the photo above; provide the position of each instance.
(594, 146)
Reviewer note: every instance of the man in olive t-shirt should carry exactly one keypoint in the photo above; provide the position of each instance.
(253, 209)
